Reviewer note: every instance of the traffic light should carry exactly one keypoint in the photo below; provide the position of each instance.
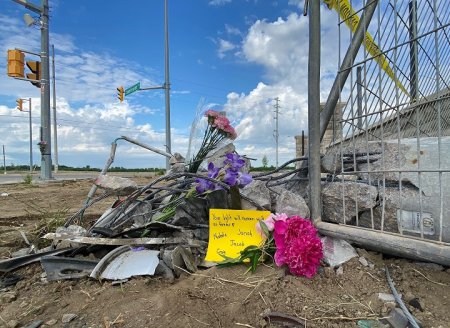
(15, 63)
(120, 93)
(35, 68)
(19, 104)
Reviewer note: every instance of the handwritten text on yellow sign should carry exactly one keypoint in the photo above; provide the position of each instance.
(231, 231)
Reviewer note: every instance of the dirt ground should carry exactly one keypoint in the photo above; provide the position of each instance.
(216, 297)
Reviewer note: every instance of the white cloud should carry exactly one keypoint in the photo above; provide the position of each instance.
(231, 30)
(224, 47)
(281, 48)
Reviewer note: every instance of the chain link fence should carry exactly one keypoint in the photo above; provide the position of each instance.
(385, 174)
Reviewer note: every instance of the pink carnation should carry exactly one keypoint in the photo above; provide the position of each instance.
(270, 221)
(230, 131)
(211, 113)
(298, 246)
(221, 122)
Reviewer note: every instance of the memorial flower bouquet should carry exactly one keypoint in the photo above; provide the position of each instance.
(290, 241)
(218, 129)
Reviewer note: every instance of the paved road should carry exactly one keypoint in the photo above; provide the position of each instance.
(15, 177)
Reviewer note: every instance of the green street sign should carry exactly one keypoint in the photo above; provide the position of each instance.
(132, 89)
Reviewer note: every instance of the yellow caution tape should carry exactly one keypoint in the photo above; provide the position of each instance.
(351, 19)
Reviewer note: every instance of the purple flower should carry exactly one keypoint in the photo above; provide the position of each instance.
(234, 161)
(213, 172)
(230, 177)
(203, 185)
(233, 178)
(244, 179)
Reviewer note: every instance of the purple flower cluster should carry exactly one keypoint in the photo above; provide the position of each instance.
(230, 173)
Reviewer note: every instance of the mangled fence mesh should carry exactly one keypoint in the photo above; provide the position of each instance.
(387, 148)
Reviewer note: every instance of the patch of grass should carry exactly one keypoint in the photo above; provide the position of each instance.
(28, 179)
(48, 220)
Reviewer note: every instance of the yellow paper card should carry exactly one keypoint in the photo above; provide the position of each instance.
(231, 231)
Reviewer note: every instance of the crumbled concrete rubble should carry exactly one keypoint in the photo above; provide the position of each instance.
(116, 185)
(377, 196)
(342, 200)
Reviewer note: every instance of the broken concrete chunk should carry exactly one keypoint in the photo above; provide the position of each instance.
(176, 159)
(116, 185)
(194, 209)
(163, 270)
(363, 261)
(68, 317)
(331, 163)
(177, 168)
(343, 200)
(291, 204)
(258, 192)
(178, 259)
(386, 297)
(217, 156)
(217, 199)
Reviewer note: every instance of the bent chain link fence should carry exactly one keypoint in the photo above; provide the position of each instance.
(387, 140)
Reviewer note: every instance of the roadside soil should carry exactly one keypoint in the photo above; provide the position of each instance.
(216, 297)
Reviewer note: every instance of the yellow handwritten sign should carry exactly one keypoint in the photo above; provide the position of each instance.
(347, 13)
(231, 231)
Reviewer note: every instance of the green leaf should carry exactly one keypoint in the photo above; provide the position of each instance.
(264, 228)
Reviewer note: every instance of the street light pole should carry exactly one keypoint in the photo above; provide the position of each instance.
(167, 83)
(46, 158)
(45, 136)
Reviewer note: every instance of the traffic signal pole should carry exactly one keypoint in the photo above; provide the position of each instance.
(46, 158)
(44, 84)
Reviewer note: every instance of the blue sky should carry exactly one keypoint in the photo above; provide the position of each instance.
(231, 55)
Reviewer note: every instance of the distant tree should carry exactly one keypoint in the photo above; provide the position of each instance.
(265, 161)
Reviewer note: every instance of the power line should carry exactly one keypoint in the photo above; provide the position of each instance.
(276, 133)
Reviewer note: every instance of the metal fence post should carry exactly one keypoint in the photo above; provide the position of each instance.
(314, 111)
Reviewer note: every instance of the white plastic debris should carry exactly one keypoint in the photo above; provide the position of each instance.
(125, 262)
(337, 251)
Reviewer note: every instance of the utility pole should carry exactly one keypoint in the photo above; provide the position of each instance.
(55, 128)
(167, 82)
(276, 133)
(4, 159)
(46, 156)
(45, 135)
